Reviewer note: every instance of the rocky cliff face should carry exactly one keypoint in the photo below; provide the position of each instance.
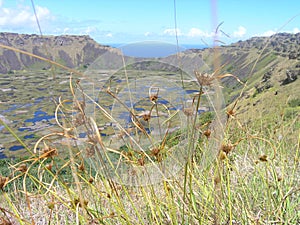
(248, 60)
(283, 44)
(70, 50)
(275, 58)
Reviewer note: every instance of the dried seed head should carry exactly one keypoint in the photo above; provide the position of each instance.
(153, 93)
(49, 166)
(81, 167)
(153, 98)
(155, 151)
(263, 158)
(78, 202)
(204, 79)
(188, 111)
(90, 151)
(91, 180)
(146, 117)
(207, 133)
(230, 113)
(141, 161)
(49, 152)
(217, 180)
(222, 155)
(3, 182)
(227, 147)
(22, 168)
(50, 205)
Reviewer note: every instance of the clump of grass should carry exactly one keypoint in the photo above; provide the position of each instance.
(253, 187)
(294, 102)
(253, 180)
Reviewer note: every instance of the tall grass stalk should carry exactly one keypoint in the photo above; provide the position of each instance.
(255, 179)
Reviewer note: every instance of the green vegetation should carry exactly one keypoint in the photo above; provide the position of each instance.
(254, 178)
(294, 102)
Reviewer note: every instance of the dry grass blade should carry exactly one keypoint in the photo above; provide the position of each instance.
(253, 179)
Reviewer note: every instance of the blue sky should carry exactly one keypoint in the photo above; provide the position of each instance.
(128, 21)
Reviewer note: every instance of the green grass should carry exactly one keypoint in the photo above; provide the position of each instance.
(254, 178)
(247, 192)
(256, 182)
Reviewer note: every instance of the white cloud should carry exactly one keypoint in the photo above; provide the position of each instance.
(240, 32)
(110, 35)
(296, 30)
(43, 13)
(269, 33)
(89, 30)
(172, 32)
(66, 30)
(22, 17)
(195, 32)
(192, 33)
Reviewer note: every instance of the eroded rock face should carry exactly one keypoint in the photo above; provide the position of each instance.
(70, 50)
(279, 43)
(291, 76)
(10, 58)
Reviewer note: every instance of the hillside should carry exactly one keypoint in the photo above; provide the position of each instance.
(255, 60)
(70, 50)
(269, 67)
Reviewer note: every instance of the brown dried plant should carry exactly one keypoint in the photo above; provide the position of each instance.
(153, 94)
(3, 182)
(204, 79)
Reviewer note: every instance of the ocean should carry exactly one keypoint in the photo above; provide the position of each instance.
(153, 49)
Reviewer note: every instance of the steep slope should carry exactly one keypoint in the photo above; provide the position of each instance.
(261, 62)
(70, 50)
(269, 67)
